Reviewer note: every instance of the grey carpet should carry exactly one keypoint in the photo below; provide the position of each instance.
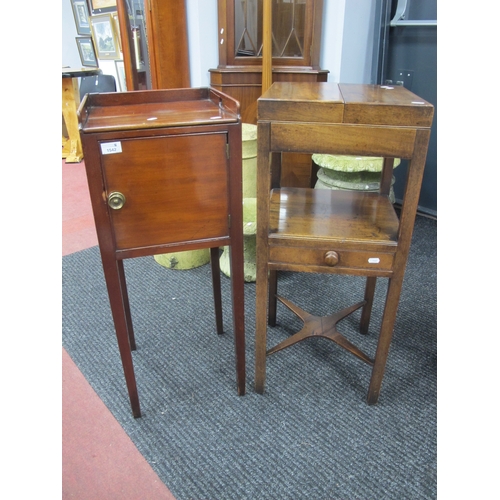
(311, 435)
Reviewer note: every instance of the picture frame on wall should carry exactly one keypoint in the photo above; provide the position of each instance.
(120, 73)
(104, 34)
(102, 6)
(87, 52)
(114, 15)
(81, 14)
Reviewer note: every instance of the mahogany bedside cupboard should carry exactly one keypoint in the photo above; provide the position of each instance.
(338, 232)
(164, 173)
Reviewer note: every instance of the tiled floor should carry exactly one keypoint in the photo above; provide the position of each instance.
(99, 460)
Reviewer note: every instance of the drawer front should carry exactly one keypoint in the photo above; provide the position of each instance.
(175, 189)
(334, 258)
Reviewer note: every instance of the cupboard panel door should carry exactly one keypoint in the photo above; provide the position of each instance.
(175, 189)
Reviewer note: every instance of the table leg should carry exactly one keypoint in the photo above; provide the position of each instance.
(273, 292)
(384, 342)
(119, 304)
(262, 287)
(236, 259)
(238, 299)
(367, 308)
(126, 304)
(265, 165)
(215, 268)
(72, 149)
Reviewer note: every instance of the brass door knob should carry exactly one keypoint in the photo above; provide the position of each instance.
(116, 200)
(331, 258)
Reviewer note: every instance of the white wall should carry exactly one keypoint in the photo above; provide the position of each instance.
(346, 46)
(331, 38)
(203, 39)
(357, 41)
(70, 55)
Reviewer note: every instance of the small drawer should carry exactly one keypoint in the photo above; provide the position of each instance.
(331, 258)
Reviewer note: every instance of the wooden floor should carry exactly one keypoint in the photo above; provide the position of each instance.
(99, 460)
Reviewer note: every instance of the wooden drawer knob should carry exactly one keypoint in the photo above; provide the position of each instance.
(331, 258)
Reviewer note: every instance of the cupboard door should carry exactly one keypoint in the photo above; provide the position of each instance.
(296, 32)
(175, 189)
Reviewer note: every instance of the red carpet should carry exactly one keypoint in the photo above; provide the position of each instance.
(99, 460)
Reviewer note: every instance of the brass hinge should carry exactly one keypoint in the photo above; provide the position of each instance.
(229, 221)
(227, 150)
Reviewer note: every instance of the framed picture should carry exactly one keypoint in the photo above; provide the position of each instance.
(114, 15)
(120, 72)
(81, 13)
(101, 6)
(104, 34)
(86, 50)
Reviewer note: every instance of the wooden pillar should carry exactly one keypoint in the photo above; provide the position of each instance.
(168, 44)
(167, 40)
(267, 46)
(129, 62)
